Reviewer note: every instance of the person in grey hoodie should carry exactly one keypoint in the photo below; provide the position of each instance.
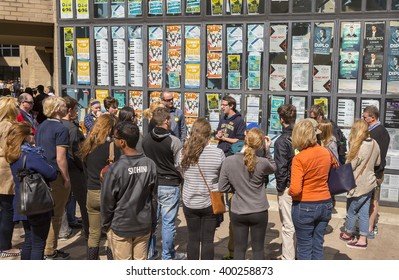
(244, 174)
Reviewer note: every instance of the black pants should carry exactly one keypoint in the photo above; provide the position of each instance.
(6, 221)
(36, 232)
(201, 224)
(242, 224)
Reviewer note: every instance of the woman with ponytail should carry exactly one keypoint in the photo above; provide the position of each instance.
(244, 174)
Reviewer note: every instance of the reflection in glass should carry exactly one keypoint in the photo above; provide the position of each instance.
(101, 9)
(395, 4)
(373, 5)
(279, 6)
(351, 5)
(325, 6)
(302, 6)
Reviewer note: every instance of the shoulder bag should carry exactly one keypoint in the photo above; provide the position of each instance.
(341, 179)
(111, 158)
(217, 198)
(35, 195)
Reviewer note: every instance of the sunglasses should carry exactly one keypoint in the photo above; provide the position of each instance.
(168, 100)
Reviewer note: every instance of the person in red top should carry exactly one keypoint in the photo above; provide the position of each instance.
(312, 204)
(25, 101)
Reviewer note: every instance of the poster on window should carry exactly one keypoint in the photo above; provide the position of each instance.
(236, 7)
(191, 104)
(192, 75)
(119, 58)
(276, 102)
(174, 61)
(82, 9)
(173, 7)
(173, 36)
(278, 38)
(300, 77)
(234, 39)
(193, 50)
(393, 75)
(322, 40)
(135, 8)
(394, 40)
(321, 78)
(213, 101)
(253, 7)
(118, 8)
(300, 49)
(101, 94)
(214, 65)
(300, 104)
(346, 112)
(278, 76)
(66, 9)
(120, 96)
(374, 41)
(216, 7)
(348, 65)
(255, 37)
(323, 102)
(83, 48)
(155, 51)
(155, 7)
(193, 6)
(155, 76)
(214, 37)
(350, 34)
(83, 72)
(372, 73)
(253, 79)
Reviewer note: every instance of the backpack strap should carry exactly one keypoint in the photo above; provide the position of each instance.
(24, 161)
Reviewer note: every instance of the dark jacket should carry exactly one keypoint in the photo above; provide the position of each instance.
(381, 135)
(162, 148)
(233, 127)
(283, 155)
(38, 107)
(129, 196)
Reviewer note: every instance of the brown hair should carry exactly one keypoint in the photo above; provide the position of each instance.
(359, 132)
(199, 137)
(101, 130)
(70, 102)
(326, 135)
(15, 138)
(230, 101)
(109, 101)
(287, 112)
(160, 115)
(254, 140)
(317, 110)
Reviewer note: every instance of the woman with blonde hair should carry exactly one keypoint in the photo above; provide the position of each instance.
(94, 113)
(8, 115)
(148, 113)
(244, 174)
(20, 144)
(200, 161)
(94, 152)
(312, 204)
(364, 155)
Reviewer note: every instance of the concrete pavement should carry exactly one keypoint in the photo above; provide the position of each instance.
(383, 247)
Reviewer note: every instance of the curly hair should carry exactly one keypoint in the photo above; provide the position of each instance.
(199, 137)
(253, 141)
(359, 132)
(101, 130)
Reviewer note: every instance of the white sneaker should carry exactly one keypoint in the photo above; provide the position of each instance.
(179, 256)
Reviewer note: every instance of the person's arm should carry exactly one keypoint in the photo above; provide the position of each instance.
(176, 146)
(108, 201)
(41, 166)
(281, 157)
(183, 128)
(224, 183)
(297, 174)
(62, 163)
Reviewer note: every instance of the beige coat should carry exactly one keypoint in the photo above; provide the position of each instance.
(367, 181)
(6, 179)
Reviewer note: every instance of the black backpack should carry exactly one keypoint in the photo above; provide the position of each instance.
(341, 142)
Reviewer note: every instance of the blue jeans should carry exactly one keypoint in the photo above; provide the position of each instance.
(358, 206)
(168, 206)
(310, 221)
(6, 221)
(36, 232)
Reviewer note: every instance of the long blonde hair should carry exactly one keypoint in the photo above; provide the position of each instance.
(147, 113)
(303, 135)
(254, 140)
(194, 146)
(359, 133)
(326, 135)
(8, 109)
(15, 138)
(101, 130)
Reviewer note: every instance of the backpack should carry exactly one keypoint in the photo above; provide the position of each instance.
(341, 142)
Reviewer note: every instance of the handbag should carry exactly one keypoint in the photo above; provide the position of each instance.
(217, 198)
(35, 195)
(340, 178)
(110, 160)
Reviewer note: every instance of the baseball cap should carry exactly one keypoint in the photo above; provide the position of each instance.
(315, 125)
(252, 125)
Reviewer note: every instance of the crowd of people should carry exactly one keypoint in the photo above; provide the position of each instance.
(129, 186)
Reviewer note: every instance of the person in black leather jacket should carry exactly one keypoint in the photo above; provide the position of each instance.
(283, 155)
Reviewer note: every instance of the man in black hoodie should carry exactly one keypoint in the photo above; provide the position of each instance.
(283, 155)
(162, 147)
(231, 127)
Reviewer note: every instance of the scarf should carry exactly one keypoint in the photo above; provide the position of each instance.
(28, 148)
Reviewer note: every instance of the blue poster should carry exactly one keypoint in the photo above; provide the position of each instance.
(394, 40)
(349, 65)
(322, 40)
(350, 34)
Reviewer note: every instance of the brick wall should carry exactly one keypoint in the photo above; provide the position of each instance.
(28, 10)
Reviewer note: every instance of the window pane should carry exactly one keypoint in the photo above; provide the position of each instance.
(302, 6)
(279, 6)
(100, 9)
(351, 5)
(373, 5)
(395, 4)
(325, 6)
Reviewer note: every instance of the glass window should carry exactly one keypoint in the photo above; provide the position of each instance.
(117, 8)
(395, 4)
(173, 7)
(193, 7)
(278, 57)
(100, 8)
(135, 8)
(300, 56)
(325, 6)
(302, 6)
(278, 6)
(101, 56)
(351, 5)
(67, 55)
(214, 56)
(233, 59)
(373, 5)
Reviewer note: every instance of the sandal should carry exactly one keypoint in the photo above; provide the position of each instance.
(5, 254)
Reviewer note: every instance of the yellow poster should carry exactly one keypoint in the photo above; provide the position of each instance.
(68, 49)
(323, 102)
(101, 94)
(155, 96)
(193, 50)
(83, 72)
(83, 48)
(82, 9)
(66, 9)
(193, 75)
(68, 34)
